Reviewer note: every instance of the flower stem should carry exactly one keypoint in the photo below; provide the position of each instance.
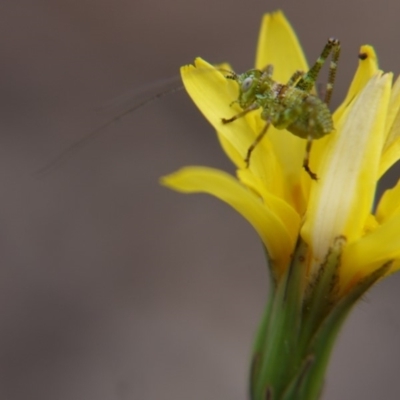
(299, 327)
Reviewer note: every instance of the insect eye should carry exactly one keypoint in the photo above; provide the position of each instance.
(246, 84)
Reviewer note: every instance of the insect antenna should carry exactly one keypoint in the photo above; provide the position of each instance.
(65, 154)
(136, 94)
(70, 150)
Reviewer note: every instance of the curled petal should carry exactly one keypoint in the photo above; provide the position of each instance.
(277, 205)
(389, 204)
(367, 68)
(273, 232)
(372, 251)
(213, 94)
(341, 200)
(391, 150)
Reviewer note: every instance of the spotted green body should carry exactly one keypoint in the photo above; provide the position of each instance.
(292, 105)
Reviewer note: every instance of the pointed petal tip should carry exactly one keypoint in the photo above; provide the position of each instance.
(367, 52)
(367, 68)
(368, 61)
(166, 181)
(177, 180)
(278, 43)
(277, 15)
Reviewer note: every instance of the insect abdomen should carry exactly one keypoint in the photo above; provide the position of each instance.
(315, 121)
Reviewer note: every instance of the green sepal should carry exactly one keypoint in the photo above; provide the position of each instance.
(309, 382)
(321, 294)
(300, 325)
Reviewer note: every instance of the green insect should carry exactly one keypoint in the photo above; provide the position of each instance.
(289, 106)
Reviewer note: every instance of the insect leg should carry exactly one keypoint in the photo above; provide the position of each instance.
(268, 70)
(332, 72)
(255, 143)
(306, 160)
(293, 79)
(308, 80)
(252, 107)
(311, 108)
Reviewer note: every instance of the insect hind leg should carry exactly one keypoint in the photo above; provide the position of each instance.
(306, 160)
(332, 71)
(311, 107)
(307, 82)
(295, 77)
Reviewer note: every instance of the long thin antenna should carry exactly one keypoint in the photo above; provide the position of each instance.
(82, 142)
(137, 93)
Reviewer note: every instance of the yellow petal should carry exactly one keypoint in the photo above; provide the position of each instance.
(231, 151)
(285, 212)
(361, 257)
(213, 94)
(389, 204)
(391, 150)
(278, 45)
(274, 234)
(341, 200)
(367, 67)
(393, 114)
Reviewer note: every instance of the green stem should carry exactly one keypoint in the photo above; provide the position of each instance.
(278, 357)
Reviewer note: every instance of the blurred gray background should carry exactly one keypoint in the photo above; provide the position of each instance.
(111, 286)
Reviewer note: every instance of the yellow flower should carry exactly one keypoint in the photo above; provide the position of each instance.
(276, 195)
